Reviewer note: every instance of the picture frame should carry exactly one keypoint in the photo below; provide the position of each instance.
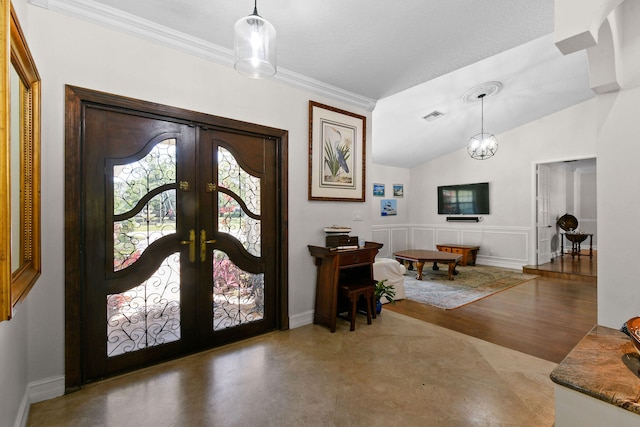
(337, 154)
(20, 263)
(378, 190)
(388, 207)
(398, 190)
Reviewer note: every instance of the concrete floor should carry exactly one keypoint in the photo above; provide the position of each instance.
(396, 372)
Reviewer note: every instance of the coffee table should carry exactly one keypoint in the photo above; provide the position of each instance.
(420, 256)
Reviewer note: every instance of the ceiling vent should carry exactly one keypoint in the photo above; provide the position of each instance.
(434, 115)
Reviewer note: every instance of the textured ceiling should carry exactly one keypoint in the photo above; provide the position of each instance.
(386, 50)
(370, 47)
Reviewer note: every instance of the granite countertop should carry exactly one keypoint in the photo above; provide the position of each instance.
(603, 365)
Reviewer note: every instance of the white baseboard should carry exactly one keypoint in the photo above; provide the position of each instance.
(302, 319)
(35, 392)
(46, 389)
(23, 411)
(500, 262)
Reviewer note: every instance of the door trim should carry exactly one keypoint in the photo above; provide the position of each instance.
(76, 100)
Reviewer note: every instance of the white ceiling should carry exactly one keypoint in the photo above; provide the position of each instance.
(411, 56)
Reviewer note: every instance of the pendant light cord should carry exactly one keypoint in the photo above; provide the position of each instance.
(481, 96)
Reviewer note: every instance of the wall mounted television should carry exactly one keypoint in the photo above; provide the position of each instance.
(464, 199)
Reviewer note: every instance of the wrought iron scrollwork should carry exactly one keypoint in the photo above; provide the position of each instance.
(147, 315)
(238, 296)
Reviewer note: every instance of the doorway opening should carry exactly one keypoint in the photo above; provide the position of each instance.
(564, 187)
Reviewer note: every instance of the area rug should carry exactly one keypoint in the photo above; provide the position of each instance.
(471, 284)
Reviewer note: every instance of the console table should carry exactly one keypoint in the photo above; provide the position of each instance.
(338, 267)
(468, 252)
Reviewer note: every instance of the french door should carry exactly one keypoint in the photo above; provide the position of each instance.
(180, 236)
(543, 225)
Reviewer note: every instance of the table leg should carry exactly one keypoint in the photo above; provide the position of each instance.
(452, 269)
(407, 264)
(419, 265)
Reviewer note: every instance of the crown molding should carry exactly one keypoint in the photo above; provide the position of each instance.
(97, 13)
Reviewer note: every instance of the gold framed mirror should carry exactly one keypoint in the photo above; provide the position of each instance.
(20, 263)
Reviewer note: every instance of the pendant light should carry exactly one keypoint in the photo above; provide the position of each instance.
(255, 46)
(483, 145)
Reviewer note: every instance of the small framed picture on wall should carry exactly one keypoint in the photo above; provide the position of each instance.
(398, 190)
(378, 190)
(388, 207)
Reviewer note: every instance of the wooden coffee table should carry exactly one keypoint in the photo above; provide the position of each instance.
(420, 256)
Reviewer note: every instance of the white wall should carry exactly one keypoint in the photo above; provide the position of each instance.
(506, 236)
(74, 52)
(391, 231)
(618, 172)
(13, 365)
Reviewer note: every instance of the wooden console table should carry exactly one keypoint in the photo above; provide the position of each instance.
(339, 267)
(468, 252)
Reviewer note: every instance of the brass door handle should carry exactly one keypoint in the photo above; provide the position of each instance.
(203, 245)
(192, 245)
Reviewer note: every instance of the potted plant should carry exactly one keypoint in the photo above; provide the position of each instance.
(386, 291)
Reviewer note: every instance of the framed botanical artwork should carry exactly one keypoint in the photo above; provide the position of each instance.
(388, 207)
(398, 190)
(336, 154)
(378, 190)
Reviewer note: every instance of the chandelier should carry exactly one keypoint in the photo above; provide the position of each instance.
(482, 145)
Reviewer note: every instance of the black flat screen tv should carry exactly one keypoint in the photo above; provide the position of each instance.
(464, 199)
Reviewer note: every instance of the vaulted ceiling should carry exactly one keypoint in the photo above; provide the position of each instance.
(408, 58)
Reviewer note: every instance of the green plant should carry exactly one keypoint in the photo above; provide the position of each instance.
(383, 290)
(332, 158)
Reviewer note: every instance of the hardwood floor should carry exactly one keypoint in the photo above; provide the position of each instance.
(544, 317)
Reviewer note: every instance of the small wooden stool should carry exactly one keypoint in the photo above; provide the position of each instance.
(353, 292)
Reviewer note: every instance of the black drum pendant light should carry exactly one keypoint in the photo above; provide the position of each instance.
(255, 46)
(483, 145)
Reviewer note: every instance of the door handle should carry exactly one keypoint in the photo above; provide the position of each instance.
(192, 245)
(203, 245)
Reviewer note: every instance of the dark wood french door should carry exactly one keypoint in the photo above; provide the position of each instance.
(180, 232)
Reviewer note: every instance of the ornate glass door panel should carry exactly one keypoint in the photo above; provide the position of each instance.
(235, 205)
(144, 211)
(237, 294)
(136, 221)
(238, 202)
(147, 315)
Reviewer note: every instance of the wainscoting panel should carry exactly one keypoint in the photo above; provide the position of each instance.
(393, 240)
(423, 238)
(507, 247)
(472, 237)
(451, 236)
(382, 236)
(399, 240)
